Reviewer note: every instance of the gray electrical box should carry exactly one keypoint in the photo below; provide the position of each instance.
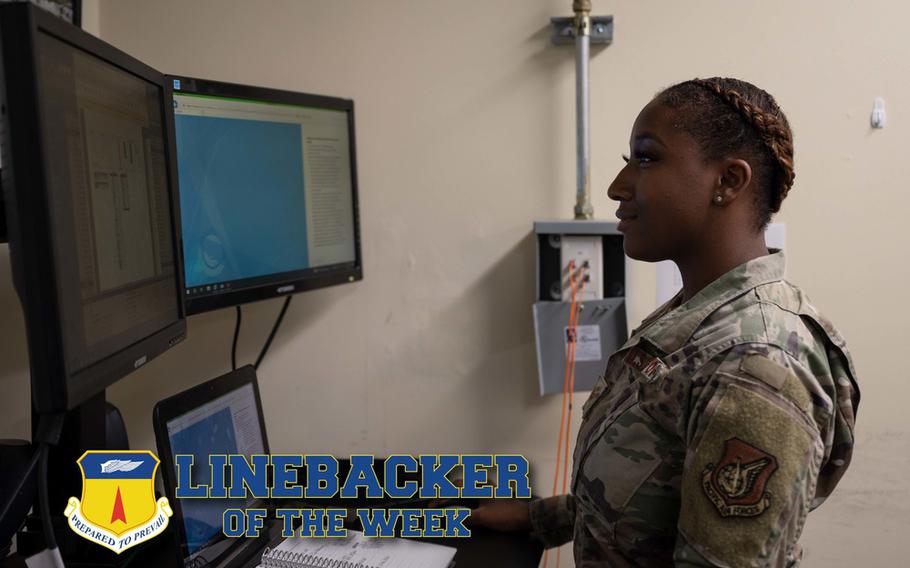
(601, 326)
(600, 330)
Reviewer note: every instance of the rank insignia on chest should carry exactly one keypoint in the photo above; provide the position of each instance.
(736, 483)
(651, 367)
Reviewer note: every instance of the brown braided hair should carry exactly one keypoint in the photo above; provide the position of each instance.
(727, 116)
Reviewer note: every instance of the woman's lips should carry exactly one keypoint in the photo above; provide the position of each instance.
(625, 221)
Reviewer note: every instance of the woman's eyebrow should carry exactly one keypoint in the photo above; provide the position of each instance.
(648, 136)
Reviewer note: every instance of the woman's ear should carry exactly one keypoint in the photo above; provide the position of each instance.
(735, 176)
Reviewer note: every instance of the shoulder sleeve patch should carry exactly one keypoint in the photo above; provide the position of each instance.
(765, 370)
(736, 483)
(779, 378)
(748, 480)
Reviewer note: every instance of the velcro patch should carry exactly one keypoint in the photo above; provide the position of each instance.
(746, 475)
(765, 370)
(642, 362)
(777, 377)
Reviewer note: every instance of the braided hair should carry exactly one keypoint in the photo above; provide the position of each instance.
(728, 115)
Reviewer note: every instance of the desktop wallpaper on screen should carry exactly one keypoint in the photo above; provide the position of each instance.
(242, 198)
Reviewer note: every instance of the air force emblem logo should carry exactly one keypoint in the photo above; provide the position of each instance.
(118, 508)
(736, 483)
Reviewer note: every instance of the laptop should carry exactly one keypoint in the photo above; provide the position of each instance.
(221, 416)
(224, 416)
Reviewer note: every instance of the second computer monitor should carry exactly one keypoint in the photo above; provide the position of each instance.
(268, 192)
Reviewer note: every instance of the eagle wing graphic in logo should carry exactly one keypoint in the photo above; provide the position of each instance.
(736, 480)
(111, 466)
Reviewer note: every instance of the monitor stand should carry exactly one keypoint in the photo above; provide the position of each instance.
(93, 425)
(15, 457)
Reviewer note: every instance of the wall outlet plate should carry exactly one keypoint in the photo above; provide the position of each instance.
(587, 253)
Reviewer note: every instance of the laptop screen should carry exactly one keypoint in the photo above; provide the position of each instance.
(228, 424)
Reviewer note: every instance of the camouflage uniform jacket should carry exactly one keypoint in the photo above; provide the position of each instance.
(717, 427)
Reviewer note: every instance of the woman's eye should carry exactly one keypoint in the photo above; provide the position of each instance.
(640, 158)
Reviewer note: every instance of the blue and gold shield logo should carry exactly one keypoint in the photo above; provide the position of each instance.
(118, 508)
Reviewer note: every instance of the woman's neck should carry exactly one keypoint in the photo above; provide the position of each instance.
(710, 263)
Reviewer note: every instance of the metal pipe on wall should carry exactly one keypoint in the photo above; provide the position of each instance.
(583, 207)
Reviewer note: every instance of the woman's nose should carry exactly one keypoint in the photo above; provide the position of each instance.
(621, 188)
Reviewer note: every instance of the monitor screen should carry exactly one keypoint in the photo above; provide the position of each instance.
(227, 425)
(268, 192)
(108, 177)
(90, 206)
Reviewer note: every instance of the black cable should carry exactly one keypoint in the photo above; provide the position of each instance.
(28, 472)
(268, 342)
(236, 337)
(49, 539)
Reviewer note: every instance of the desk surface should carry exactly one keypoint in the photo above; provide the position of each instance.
(485, 549)
(492, 549)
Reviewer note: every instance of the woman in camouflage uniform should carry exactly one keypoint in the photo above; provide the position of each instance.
(728, 415)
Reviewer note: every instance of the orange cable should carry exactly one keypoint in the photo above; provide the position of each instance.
(567, 386)
(563, 434)
(572, 374)
(574, 309)
(565, 394)
(573, 318)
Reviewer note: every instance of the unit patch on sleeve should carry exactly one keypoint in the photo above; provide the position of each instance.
(736, 483)
(749, 476)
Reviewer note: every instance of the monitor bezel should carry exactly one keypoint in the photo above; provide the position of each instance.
(55, 386)
(283, 284)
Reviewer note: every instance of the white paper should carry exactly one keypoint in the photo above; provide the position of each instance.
(669, 281)
(358, 550)
(587, 348)
(776, 236)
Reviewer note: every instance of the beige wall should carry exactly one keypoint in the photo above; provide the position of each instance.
(465, 126)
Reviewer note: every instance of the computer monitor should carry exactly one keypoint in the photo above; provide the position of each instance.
(89, 182)
(268, 192)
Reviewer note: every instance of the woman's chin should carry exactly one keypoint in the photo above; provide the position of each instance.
(636, 250)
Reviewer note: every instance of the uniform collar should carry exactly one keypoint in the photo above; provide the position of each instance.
(669, 331)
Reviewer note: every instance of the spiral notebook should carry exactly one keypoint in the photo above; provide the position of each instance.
(357, 551)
